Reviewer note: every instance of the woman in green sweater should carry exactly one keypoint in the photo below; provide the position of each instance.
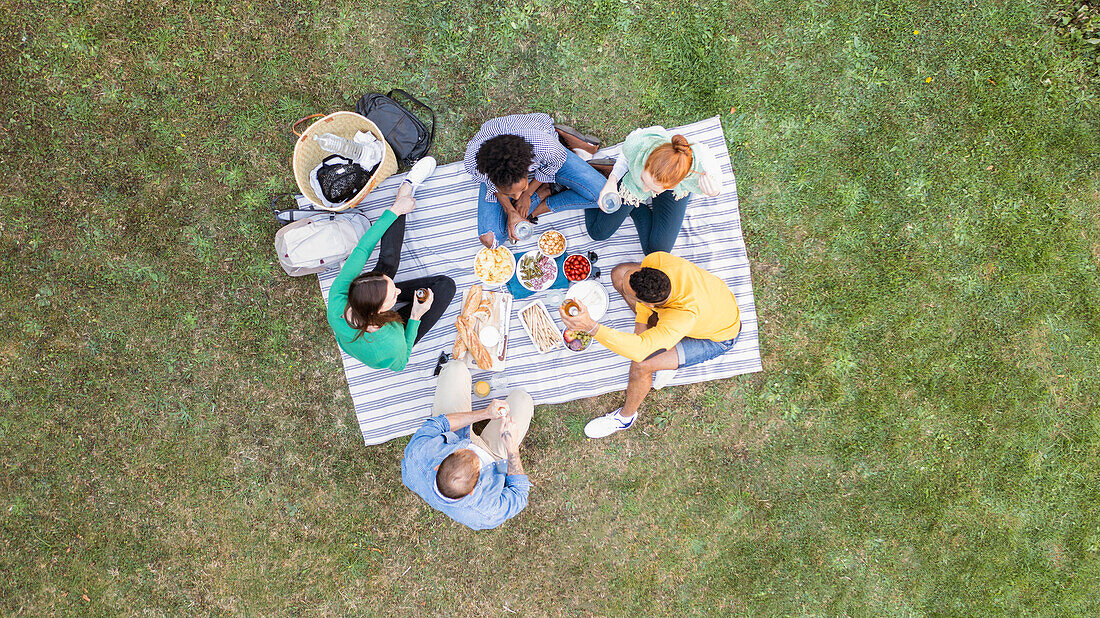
(361, 306)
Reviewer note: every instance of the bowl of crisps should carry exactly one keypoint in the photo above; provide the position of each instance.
(494, 266)
(552, 243)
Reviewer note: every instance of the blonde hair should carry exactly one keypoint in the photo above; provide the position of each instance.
(670, 163)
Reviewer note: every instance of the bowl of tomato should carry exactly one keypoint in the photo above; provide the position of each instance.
(577, 267)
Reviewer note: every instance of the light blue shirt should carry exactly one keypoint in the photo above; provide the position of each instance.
(497, 497)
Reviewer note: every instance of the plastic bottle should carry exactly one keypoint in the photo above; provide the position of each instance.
(524, 230)
(611, 202)
(498, 382)
(339, 145)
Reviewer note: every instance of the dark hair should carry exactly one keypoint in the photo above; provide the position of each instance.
(458, 473)
(366, 294)
(651, 285)
(505, 159)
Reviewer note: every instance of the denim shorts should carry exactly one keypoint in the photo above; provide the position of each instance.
(694, 351)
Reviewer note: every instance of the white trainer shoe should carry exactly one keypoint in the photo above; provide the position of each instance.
(605, 425)
(420, 172)
(663, 377)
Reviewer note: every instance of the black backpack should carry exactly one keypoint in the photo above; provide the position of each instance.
(409, 137)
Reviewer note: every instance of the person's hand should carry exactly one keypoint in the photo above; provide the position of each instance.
(513, 219)
(582, 321)
(508, 435)
(611, 186)
(522, 204)
(498, 408)
(403, 205)
(709, 185)
(420, 308)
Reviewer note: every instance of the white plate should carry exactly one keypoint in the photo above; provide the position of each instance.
(593, 295)
(546, 284)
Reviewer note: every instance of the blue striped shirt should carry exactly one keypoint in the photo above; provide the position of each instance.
(537, 129)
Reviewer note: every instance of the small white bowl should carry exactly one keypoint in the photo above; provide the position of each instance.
(564, 245)
(489, 336)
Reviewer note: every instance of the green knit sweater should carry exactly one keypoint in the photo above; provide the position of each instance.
(388, 347)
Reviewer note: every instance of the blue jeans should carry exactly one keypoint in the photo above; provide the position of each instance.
(582, 183)
(657, 227)
(694, 351)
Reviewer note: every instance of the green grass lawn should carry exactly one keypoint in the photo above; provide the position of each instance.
(920, 194)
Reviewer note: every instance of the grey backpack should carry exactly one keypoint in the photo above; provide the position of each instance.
(320, 242)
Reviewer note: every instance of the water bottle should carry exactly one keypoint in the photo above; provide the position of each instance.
(611, 202)
(340, 146)
(524, 230)
(498, 382)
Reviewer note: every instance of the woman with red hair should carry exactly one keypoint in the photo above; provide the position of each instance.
(655, 177)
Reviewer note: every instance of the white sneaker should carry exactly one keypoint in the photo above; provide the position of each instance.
(605, 425)
(663, 377)
(420, 172)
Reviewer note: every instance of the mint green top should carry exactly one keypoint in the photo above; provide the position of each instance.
(636, 150)
(388, 347)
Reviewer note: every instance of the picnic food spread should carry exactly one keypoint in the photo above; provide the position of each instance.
(482, 327)
(494, 266)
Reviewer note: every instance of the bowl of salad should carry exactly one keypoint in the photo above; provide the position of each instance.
(536, 271)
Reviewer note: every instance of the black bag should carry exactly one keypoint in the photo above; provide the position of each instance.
(409, 137)
(340, 182)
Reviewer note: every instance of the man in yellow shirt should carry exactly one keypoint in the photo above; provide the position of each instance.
(684, 316)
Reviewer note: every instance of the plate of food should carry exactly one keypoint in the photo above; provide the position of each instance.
(540, 327)
(593, 295)
(552, 243)
(482, 328)
(576, 340)
(536, 271)
(494, 266)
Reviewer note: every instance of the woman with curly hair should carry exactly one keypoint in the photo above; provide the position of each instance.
(655, 177)
(515, 158)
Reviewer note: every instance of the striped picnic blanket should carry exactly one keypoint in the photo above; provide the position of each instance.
(441, 238)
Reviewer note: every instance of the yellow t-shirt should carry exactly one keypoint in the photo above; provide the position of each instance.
(701, 306)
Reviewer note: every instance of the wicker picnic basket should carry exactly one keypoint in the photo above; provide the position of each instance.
(308, 154)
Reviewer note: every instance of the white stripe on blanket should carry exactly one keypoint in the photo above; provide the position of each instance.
(441, 238)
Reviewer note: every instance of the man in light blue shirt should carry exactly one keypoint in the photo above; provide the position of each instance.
(476, 480)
